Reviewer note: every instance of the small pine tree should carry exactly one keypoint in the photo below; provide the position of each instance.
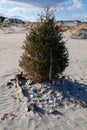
(45, 54)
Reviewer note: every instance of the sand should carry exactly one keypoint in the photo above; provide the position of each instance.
(13, 112)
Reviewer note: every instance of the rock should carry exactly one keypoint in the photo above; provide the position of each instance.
(34, 90)
(31, 96)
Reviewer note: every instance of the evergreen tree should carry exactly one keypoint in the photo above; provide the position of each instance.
(45, 54)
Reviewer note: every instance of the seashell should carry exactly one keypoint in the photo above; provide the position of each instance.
(2, 116)
(11, 113)
(50, 92)
(60, 94)
(50, 101)
(52, 111)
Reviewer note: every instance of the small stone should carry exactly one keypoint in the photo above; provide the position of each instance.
(31, 96)
(34, 90)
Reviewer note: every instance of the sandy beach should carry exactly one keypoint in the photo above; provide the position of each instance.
(13, 112)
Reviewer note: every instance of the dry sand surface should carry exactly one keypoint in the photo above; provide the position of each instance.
(10, 52)
(13, 112)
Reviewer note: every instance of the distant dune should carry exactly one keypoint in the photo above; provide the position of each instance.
(79, 31)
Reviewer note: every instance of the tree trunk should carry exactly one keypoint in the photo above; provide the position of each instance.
(50, 70)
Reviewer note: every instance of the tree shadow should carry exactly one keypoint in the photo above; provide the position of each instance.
(41, 112)
(71, 90)
(57, 113)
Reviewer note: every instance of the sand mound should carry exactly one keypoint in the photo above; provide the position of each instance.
(57, 105)
(15, 113)
(79, 31)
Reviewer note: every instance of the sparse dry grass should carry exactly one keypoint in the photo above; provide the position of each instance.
(76, 29)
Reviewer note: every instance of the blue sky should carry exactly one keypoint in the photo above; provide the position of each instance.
(28, 9)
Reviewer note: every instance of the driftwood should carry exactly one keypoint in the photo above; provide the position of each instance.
(80, 103)
(32, 107)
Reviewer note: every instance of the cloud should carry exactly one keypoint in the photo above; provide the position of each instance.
(2, 11)
(28, 9)
(37, 3)
(24, 8)
(76, 4)
(18, 10)
(81, 15)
